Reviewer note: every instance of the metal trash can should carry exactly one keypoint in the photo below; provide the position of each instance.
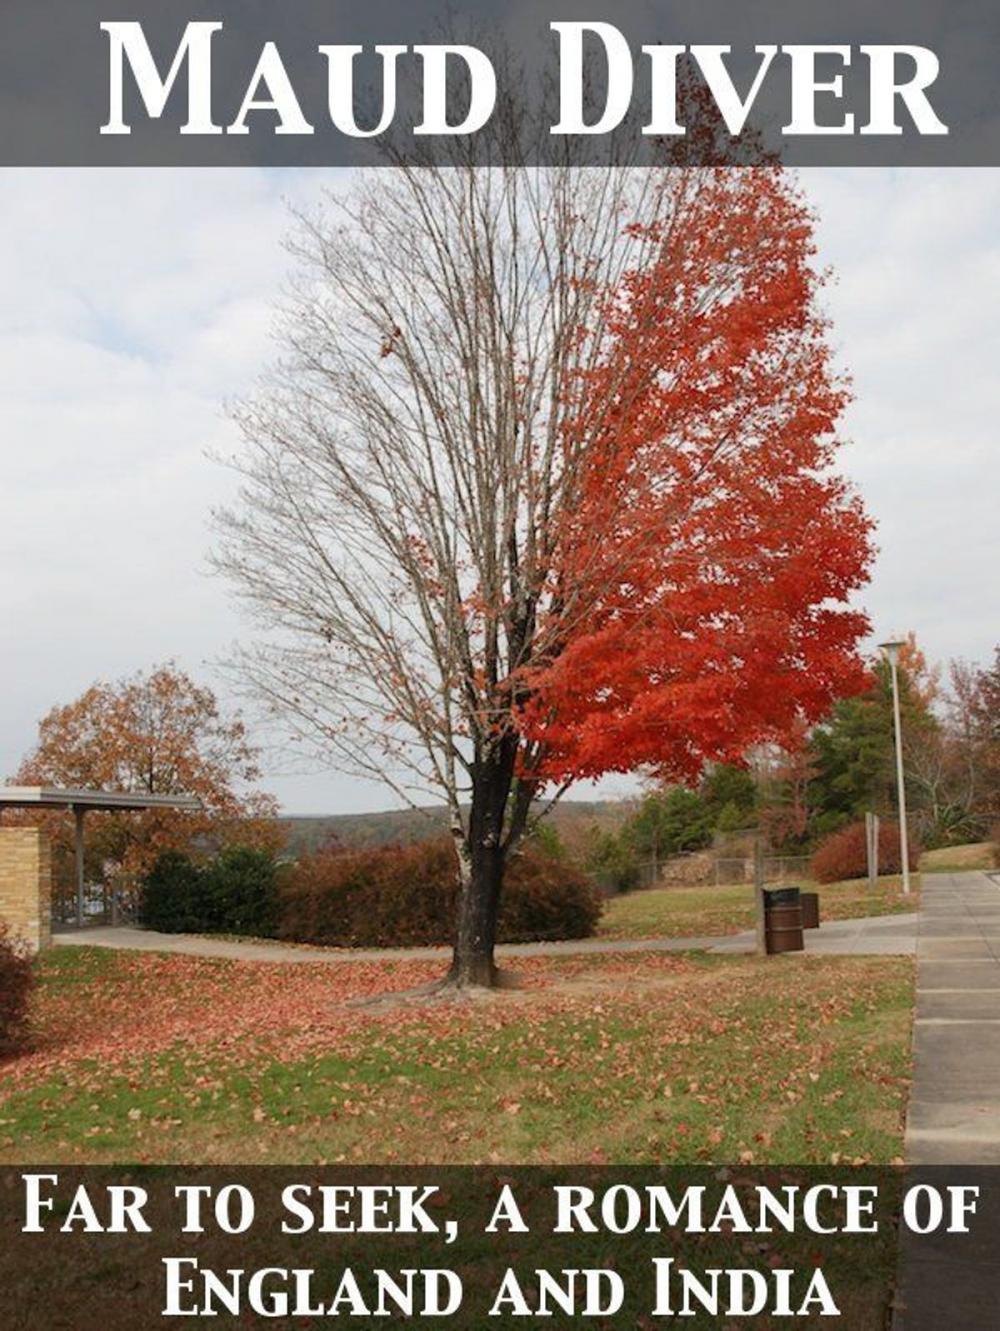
(783, 920)
(810, 909)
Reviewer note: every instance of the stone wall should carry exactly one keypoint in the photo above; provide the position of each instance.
(26, 884)
(694, 869)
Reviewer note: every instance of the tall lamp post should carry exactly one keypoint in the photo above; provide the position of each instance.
(891, 652)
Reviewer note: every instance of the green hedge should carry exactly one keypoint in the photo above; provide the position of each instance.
(236, 893)
(395, 896)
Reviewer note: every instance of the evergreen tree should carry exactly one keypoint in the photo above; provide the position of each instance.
(853, 752)
(730, 793)
(667, 823)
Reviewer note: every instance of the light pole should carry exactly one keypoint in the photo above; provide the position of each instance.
(891, 651)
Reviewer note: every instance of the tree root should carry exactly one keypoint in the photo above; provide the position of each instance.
(443, 992)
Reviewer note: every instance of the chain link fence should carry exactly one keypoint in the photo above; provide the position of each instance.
(706, 868)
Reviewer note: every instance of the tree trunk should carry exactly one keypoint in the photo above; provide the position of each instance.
(481, 862)
(472, 963)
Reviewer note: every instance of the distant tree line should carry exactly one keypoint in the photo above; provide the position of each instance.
(829, 777)
(670, 821)
(951, 752)
(159, 732)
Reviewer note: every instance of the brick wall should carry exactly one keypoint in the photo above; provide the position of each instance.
(26, 883)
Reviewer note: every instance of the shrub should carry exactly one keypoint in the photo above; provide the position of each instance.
(171, 895)
(953, 827)
(235, 893)
(239, 893)
(402, 896)
(546, 898)
(612, 863)
(995, 838)
(17, 977)
(843, 854)
(371, 897)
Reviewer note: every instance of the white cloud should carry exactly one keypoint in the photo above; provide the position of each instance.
(917, 258)
(137, 302)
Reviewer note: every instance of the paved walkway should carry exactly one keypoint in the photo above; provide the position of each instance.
(871, 936)
(887, 935)
(954, 1115)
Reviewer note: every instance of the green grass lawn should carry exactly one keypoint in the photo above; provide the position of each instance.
(637, 1058)
(693, 912)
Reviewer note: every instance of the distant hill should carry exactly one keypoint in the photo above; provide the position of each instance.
(573, 819)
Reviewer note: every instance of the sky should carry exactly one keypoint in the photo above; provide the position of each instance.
(137, 303)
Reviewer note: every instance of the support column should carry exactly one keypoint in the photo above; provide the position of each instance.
(26, 884)
(78, 816)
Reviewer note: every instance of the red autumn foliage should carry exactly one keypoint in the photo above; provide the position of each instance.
(400, 896)
(843, 854)
(17, 979)
(709, 548)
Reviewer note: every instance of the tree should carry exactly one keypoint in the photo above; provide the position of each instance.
(987, 705)
(157, 733)
(668, 822)
(852, 757)
(853, 751)
(733, 790)
(611, 860)
(924, 680)
(542, 488)
(986, 717)
(969, 767)
(943, 776)
(951, 751)
(787, 772)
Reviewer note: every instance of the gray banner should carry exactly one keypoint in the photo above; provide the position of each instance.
(61, 72)
(875, 1258)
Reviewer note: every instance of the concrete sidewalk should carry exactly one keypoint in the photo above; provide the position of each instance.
(886, 935)
(954, 1115)
(871, 936)
(146, 940)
